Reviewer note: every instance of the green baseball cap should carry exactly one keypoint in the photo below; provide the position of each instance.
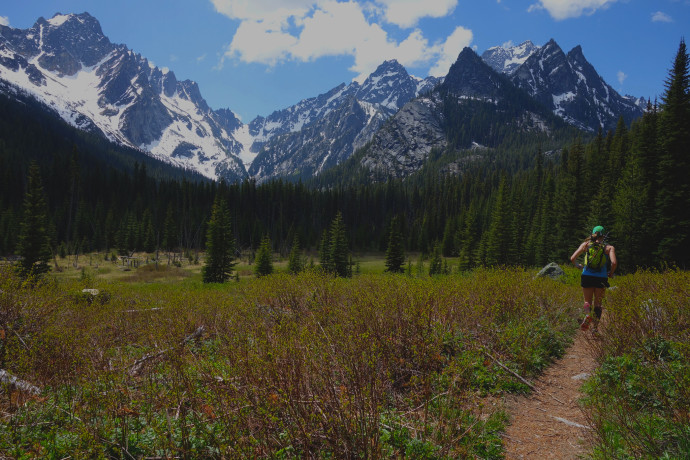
(598, 229)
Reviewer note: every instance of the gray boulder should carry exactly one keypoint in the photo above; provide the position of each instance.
(552, 270)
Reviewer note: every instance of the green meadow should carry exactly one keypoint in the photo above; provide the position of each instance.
(158, 364)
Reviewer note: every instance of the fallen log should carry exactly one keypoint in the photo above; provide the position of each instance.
(139, 363)
(19, 384)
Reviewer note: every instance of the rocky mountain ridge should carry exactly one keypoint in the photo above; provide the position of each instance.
(566, 83)
(67, 63)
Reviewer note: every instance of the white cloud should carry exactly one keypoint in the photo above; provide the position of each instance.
(306, 30)
(259, 10)
(621, 76)
(4, 21)
(459, 39)
(201, 58)
(174, 58)
(262, 42)
(565, 9)
(406, 13)
(660, 16)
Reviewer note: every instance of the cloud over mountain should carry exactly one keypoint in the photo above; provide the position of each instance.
(566, 9)
(306, 30)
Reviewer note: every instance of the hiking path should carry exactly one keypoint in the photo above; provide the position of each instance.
(549, 423)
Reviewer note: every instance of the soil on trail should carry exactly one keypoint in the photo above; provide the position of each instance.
(548, 423)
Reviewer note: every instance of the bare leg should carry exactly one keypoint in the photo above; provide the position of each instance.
(598, 299)
(588, 294)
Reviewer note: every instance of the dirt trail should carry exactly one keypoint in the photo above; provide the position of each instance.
(548, 423)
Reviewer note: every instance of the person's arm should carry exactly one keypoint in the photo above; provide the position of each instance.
(614, 261)
(577, 253)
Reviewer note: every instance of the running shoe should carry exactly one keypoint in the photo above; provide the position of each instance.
(585, 323)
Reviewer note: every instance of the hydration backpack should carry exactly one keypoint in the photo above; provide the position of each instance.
(595, 257)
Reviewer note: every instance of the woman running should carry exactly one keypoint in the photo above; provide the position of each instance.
(600, 264)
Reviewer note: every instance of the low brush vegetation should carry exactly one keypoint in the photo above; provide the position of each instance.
(639, 399)
(377, 366)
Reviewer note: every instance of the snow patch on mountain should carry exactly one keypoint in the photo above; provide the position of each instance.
(245, 138)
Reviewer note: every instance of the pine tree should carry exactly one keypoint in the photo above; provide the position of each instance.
(469, 239)
(295, 262)
(498, 238)
(339, 252)
(264, 259)
(220, 245)
(34, 238)
(170, 230)
(673, 194)
(395, 252)
(448, 244)
(630, 215)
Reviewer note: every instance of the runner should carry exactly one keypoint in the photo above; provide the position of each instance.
(600, 264)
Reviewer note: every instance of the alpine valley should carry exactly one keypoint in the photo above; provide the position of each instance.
(390, 124)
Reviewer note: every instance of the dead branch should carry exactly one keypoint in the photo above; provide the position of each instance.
(143, 310)
(21, 385)
(512, 372)
(139, 363)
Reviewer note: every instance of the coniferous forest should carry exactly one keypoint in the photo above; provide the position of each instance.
(526, 209)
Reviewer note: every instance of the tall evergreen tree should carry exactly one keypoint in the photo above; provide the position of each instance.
(630, 215)
(170, 230)
(34, 237)
(498, 238)
(220, 244)
(263, 265)
(468, 238)
(295, 262)
(673, 194)
(395, 252)
(339, 252)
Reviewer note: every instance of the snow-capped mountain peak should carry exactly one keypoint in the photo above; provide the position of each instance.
(67, 63)
(566, 83)
(506, 59)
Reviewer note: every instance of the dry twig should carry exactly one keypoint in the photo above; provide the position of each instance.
(138, 364)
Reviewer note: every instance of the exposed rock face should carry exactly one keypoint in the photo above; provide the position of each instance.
(407, 139)
(320, 132)
(404, 143)
(319, 145)
(471, 77)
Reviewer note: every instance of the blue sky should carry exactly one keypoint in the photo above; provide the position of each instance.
(257, 56)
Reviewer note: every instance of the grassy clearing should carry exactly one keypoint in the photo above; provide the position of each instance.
(376, 366)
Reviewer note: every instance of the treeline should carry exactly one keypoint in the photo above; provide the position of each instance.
(633, 181)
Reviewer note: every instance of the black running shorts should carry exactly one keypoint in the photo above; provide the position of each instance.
(588, 281)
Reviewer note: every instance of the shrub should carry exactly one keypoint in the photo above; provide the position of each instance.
(287, 366)
(638, 399)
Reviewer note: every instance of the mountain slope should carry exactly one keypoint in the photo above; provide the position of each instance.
(474, 107)
(566, 83)
(67, 63)
(321, 132)
(507, 59)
